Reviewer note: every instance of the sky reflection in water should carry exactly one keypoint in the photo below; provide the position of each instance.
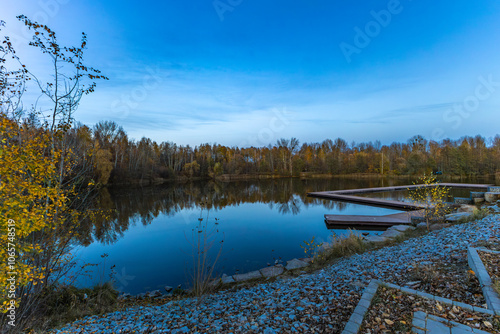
(259, 222)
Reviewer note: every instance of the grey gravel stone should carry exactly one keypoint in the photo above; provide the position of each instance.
(491, 197)
(295, 264)
(321, 294)
(227, 279)
(391, 234)
(467, 208)
(272, 271)
(401, 228)
(422, 225)
(375, 238)
(247, 276)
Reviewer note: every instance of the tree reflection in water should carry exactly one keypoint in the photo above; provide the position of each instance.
(126, 206)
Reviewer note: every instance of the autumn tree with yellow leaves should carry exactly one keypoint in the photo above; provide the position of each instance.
(432, 197)
(39, 205)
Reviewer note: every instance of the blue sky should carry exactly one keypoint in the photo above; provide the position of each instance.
(241, 72)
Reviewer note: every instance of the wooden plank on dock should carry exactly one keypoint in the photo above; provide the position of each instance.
(407, 187)
(363, 220)
(407, 215)
(402, 218)
(467, 186)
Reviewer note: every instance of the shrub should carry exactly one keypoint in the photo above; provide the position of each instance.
(432, 197)
(478, 214)
(65, 303)
(311, 248)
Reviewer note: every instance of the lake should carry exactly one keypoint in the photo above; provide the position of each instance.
(149, 235)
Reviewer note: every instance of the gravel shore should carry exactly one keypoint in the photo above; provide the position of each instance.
(312, 303)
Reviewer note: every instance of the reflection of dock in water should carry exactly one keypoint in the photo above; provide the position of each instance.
(368, 201)
(380, 222)
(371, 222)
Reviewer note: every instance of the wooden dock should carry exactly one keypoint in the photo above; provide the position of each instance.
(380, 222)
(349, 195)
(365, 222)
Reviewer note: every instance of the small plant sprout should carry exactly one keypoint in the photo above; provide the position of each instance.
(311, 247)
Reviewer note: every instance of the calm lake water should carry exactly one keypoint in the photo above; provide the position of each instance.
(149, 235)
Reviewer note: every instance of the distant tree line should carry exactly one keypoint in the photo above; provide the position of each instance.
(112, 157)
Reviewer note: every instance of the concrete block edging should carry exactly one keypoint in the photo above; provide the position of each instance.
(476, 264)
(356, 319)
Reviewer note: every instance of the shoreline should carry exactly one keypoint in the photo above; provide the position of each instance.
(328, 294)
(301, 176)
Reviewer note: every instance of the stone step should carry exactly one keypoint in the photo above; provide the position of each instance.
(494, 189)
(478, 200)
(491, 196)
(462, 200)
(477, 194)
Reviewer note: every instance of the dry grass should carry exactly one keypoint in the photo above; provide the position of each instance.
(496, 286)
(65, 304)
(476, 215)
(340, 247)
(492, 263)
(353, 243)
(206, 249)
(450, 279)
